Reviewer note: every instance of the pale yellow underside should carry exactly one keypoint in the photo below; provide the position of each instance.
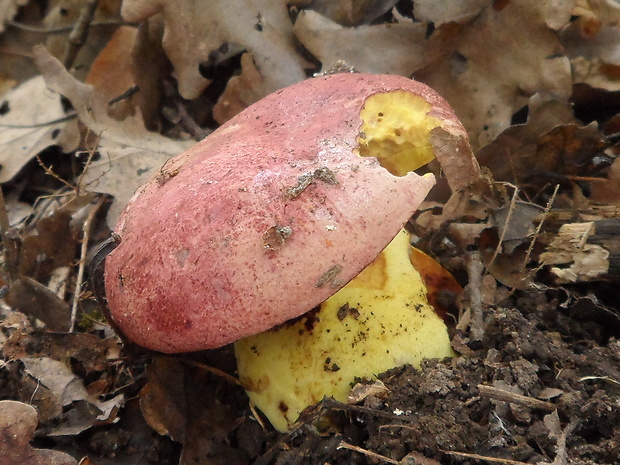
(396, 129)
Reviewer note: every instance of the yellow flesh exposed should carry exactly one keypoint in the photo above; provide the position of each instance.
(395, 129)
(378, 321)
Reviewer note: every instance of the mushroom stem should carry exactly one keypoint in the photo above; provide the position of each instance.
(379, 320)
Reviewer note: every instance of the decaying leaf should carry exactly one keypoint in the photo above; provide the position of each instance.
(241, 91)
(198, 32)
(66, 14)
(129, 154)
(59, 394)
(466, 62)
(8, 10)
(552, 142)
(17, 424)
(591, 42)
(180, 401)
(439, 13)
(384, 48)
(31, 119)
(350, 12)
(111, 72)
(473, 77)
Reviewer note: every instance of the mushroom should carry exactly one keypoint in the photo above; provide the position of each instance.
(272, 215)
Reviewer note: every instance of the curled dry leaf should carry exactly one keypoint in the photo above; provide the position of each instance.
(18, 422)
(8, 10)
(550, 143)
(59, 394)
(196, 29)
(30, 121)
(384, 48)
(241, 91)
(473, 77)
(111, 72)
(129, 154)
(439, 13)
(350, 12)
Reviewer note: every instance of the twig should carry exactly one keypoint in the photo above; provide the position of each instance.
(599, 378)
(483, 457)
(511, 209)
(257, 417)
(215, 371)
(88, 224)
(540, 225)
(9, 264)
(91, 154)
(40, 125)
(512, 398)
(374, 455)
(79, 33)
(561, 455)
(50, 172)
(475, 270)
(62, 30)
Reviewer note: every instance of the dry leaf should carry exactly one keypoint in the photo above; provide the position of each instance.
(196, 29)
(8, 10)
(30, 121)
(181, 401)
(445, 11)
(18, 422)
(65, 14)
(241, 91)
(129, 153)
(59, 394)
(494, 67)
(398, 48)
(550, 143)
(608, 192)
(111, 72)
(351, 12)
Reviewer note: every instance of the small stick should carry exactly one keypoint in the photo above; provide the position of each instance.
(78, 35)
(88, 224)
(475, 270)
(511, 209)
(483, 457)
(512, 398)
(9, 262)
(62, 30)
(374, 455)
(540, 225)
(215, 371)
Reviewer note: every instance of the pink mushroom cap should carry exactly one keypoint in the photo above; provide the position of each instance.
(263, 220)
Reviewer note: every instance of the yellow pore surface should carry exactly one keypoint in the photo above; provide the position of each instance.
(378, 321)
(395, 129)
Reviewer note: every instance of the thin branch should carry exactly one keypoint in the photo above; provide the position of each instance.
(78, 35)
(512, 398)
(483, 457)
(88, 225)
(540, 225)
(9, 264)
(40, 125)
(49, 170)
(215, 371)
(511, 209)
(475, 270)
(62, 30)
(367, 453)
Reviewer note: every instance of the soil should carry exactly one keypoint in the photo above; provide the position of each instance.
(540, 386)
